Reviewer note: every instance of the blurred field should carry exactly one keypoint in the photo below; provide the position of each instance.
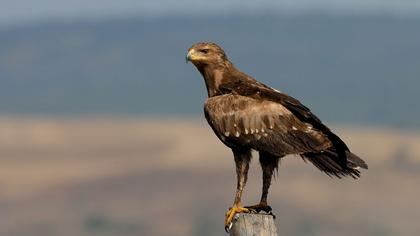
(172, 177)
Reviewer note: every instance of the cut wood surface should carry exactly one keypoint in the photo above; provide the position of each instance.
(253, 225)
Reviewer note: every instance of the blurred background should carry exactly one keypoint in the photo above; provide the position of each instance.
(101, 125)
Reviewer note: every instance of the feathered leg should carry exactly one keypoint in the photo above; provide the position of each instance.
(242, 159)
(269, 163)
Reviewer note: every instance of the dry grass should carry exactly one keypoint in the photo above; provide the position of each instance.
(123, 177)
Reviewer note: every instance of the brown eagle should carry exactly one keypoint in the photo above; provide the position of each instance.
(248, 115)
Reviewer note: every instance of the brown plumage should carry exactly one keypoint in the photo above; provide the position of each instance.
(248, 115)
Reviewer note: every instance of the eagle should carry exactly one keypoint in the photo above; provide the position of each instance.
(247, 115)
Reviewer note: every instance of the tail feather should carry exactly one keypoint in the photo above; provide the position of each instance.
(354, 161)
(334, 164)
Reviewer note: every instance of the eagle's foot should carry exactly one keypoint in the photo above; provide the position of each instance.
(262, 206)
(237, 208)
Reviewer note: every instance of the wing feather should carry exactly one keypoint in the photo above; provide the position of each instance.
(262, 125)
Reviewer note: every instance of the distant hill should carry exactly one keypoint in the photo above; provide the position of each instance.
(347, 69)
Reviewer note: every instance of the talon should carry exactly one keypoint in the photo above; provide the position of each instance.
(228, 227)
(274, 216)
(231, 213)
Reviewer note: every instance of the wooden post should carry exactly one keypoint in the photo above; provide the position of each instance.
(253, 224)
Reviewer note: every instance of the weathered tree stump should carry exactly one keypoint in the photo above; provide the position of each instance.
(253, 224)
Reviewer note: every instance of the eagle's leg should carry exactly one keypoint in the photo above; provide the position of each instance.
(269, 163)
(242, 159)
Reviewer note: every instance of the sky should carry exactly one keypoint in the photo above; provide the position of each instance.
(18, 12)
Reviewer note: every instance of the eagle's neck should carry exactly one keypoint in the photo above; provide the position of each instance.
(216, 75)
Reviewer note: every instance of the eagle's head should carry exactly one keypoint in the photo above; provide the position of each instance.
(206, 53)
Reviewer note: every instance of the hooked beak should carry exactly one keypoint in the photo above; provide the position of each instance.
(192, 56)
(188, 57)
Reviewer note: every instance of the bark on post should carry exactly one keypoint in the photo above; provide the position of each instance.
(252, 224)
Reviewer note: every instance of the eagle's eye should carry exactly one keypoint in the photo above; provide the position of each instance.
(205, 51)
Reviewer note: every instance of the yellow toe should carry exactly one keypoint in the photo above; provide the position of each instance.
(233, 211)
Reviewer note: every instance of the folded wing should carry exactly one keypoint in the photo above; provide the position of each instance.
(262, 125)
